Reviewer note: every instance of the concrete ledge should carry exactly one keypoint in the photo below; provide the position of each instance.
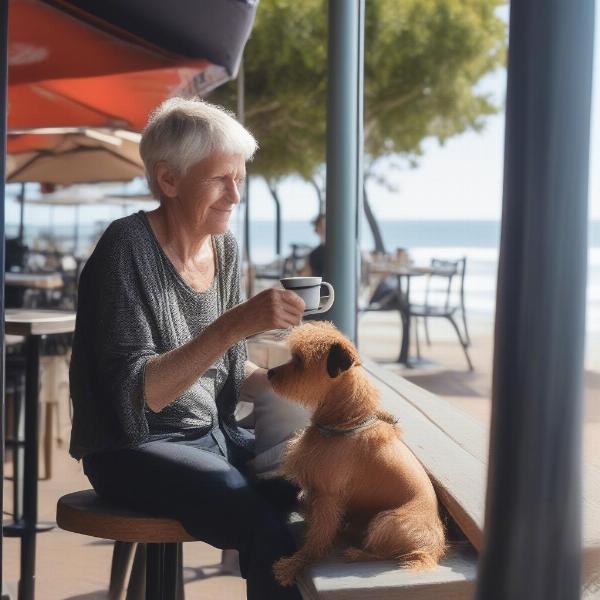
(334, 579)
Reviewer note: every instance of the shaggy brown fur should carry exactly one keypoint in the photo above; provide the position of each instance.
(369, 478)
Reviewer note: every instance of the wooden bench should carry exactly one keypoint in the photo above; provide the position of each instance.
(453, 448)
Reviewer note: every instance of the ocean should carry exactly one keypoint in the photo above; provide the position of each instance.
(476, 240)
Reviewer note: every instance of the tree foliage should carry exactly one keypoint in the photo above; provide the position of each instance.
(423, 62)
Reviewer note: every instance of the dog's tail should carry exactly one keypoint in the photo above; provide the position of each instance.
(412, 534)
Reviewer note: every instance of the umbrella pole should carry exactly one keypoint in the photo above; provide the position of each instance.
(246, 195)
(22, 214)
(76, 231)
(3, 113)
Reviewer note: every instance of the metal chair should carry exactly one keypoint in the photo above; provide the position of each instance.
(454, 301)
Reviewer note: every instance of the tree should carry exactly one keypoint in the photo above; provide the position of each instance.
(423, 62)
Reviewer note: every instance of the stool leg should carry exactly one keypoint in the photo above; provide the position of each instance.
(136, 590)
(48, 422)
(9, 408)
(155, 563)
(181, 583)
(121, 559)
(172, 566)
(18, 434)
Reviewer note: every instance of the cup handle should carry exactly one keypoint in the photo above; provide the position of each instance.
(330, 300)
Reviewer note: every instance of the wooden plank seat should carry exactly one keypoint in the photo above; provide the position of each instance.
(334, 579)
(157, 571)
(461, 485)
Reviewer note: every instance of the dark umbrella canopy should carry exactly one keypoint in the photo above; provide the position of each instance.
(61, 39)
(212, 29)
(108, 64)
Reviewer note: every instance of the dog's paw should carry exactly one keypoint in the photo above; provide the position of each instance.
(286, 569)
(354, 554)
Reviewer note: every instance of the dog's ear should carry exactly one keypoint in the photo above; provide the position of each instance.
(338, 360)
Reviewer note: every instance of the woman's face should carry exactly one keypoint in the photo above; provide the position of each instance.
(210, 189)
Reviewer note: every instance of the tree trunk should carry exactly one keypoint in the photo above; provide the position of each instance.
(319, 196)
(275, 195)
(373, 224)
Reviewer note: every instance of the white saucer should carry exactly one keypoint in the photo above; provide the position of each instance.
(313, 311)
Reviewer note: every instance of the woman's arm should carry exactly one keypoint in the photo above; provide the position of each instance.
(255, 382)
(169, 375)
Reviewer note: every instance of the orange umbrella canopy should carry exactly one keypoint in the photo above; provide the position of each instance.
(122, 101)
(108, 63)
(67, 156)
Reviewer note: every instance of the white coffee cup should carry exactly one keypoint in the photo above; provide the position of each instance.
(309, 289)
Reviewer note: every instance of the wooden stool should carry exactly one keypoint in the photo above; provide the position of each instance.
(158, 566)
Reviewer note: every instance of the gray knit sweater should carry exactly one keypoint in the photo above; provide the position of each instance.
(132, 305)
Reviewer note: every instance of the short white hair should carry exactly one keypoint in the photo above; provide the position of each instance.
(183, 132)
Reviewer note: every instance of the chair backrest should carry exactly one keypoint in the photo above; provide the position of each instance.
(294, 263)
(449, 271)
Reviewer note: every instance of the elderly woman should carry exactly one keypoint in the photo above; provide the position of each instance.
(159, 355)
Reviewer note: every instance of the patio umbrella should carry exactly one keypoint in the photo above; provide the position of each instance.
(84, 196)
(122, 101)
(149, 50)
(67, 156)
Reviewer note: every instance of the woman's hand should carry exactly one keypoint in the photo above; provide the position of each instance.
(270, 309)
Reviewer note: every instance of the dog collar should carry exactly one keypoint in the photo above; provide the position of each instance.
(333, 431)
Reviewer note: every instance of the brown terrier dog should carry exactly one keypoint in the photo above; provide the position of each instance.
(350, 462)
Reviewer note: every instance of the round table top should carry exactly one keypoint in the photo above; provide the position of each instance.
(34, 321)
(396, 269)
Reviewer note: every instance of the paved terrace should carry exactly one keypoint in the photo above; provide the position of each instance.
(73, 567)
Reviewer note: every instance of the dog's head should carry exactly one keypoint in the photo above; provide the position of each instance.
(321, 358)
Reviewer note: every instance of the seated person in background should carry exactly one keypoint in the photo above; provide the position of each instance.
(315, 261)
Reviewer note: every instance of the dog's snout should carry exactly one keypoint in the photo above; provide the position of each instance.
(270, 373)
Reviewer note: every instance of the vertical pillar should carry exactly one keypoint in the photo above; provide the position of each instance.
(344, 146)
(533, 511)
(3, 119)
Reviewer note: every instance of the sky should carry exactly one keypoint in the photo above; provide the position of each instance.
(460, 180)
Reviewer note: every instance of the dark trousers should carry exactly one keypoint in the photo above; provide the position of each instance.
(203, 484)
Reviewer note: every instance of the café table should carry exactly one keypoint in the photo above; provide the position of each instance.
(40, 281)
(402, 272)
(33, 324)
(42, 284)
